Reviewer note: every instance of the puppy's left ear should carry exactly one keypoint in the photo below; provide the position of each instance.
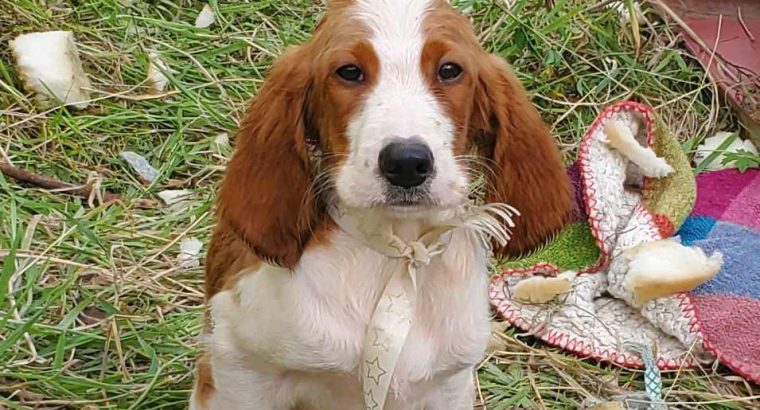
(525, 167)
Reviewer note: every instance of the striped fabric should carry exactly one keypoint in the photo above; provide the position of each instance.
(726, 217)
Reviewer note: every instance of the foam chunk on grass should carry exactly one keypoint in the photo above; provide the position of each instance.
(50, 67)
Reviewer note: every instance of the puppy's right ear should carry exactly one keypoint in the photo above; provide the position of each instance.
(267, 196)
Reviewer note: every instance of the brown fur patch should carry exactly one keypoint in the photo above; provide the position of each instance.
(227, 257)
(527, 169)
(204, 381)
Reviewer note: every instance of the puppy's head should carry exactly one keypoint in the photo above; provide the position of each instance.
(391, 107)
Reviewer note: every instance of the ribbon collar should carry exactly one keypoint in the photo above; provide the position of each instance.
(392, 319)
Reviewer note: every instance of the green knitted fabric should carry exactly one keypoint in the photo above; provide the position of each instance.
(574, 248)
(674, 195)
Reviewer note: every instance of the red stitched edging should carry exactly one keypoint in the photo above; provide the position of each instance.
(664, 225)
(576, 346)
(589, 189)
(588, 180)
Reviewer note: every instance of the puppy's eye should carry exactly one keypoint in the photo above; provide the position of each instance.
(449, 72)
(350, 72)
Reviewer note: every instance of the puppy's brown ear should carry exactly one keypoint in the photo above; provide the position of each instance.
(526, 169)
(267, 196)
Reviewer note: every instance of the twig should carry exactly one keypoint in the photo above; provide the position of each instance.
(532, 380)
(744, 25)
(84, 191)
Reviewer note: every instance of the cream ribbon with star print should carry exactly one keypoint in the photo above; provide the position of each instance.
(392, 318)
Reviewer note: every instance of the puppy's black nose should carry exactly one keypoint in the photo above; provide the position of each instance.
(406, 163)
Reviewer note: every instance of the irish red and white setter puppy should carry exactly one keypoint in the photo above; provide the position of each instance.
(391, 111)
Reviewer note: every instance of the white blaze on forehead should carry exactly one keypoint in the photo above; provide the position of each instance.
(396, 34)
(401, 98)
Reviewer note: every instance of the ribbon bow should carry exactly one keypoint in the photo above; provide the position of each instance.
(389, 327)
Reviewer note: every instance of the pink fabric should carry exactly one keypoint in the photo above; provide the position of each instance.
(745, 209)
(730, 326)
(728, 306)
(718, 189)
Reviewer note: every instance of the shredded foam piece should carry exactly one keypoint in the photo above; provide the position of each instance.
(711, 144)
(189, 251)
(205, 18)
(140, 165)
(621, 138)
(49, 66)
(175, 198)
(222, 140)
(540, 289)
(662, 268)
(609, 405)
(156, 79)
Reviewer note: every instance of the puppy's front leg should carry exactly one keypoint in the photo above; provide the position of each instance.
(238, 389)
(455, 393)
(247, 356)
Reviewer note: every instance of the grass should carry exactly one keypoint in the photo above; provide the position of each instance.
(95, 311)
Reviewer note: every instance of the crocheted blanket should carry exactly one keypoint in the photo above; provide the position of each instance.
(618, 208)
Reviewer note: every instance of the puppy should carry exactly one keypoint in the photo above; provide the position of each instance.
(390, 113)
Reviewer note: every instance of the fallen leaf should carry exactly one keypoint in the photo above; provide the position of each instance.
(92, 315)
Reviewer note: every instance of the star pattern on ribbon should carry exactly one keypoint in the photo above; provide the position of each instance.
(381, 340)
(374, 371)
(369, 400)
(396, 305)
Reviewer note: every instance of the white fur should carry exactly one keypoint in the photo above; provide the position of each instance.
(282, 338)
(621, 138)
(400, 105)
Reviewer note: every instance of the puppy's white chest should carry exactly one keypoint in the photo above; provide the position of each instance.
(314, 320)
